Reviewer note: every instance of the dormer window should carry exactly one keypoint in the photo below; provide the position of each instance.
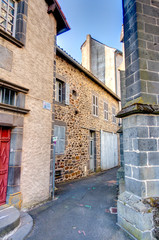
(8, 96)
(8, 16)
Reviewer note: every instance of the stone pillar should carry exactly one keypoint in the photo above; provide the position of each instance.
(140, 118)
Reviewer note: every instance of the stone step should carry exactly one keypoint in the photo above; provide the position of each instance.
(9, 219)
(23, 230)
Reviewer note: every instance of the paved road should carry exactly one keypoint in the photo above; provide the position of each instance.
(81, 211)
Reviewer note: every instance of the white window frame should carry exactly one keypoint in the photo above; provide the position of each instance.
(12, 33)
(59, 86)
(95, 105)
(106, 115)
(113, 115)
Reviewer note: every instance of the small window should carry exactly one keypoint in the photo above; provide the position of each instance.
(59, 91)
(74, 93)
(113, 115)
(106, 111)
(8, 96)
(95, 105)
(8, 16)
(59, 132)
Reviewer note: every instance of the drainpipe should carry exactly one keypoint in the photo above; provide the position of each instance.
(116, 86)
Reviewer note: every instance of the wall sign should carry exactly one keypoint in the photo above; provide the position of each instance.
(46, 105)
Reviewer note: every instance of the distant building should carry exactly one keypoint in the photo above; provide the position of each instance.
(103, 62)
(84, 121)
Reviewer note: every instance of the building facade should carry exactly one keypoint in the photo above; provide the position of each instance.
(84, 118)
(103, 61)
(26, 97)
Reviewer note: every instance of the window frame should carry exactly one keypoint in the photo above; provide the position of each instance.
(59, 98)
(95, 106)
(3, 96)
(11, 33)
(106, 111)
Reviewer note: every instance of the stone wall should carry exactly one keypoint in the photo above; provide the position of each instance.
(32, 67)
(79, 121)
(140, 118)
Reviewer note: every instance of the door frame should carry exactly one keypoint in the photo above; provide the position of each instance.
(7, 140)
(92, 138)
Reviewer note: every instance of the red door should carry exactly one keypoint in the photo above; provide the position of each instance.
(4, 162)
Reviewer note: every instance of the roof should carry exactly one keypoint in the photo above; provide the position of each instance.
(72, 61)
(55, 9)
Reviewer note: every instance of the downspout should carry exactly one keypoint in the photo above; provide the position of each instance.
(116, 87)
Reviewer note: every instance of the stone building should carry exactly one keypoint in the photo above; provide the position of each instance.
(138, 204)
(103, 62)
(27, 55)
(84, 121)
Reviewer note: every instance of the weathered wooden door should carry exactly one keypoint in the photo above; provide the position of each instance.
(109, 150)
(4, 162)
(92, 151)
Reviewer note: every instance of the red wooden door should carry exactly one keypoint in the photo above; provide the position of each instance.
(4, 162)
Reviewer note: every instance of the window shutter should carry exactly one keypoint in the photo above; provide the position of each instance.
(57, 91)
(56, 134)
(62, 140)
(67, 94)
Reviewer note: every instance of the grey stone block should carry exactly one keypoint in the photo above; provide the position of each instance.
(21, 100)
(142, 221)
(122, 222)
(146, 75)
(128, 171)
(149, 98)
(6, 119)
(146, 173)
(133, 89)
(153, 158)
(14, 176)
(15, 158)
(135, 159)
(150, 11)
(154, 132)
(16, 141)
(136, 187)
(145, 144)
(6, 58)
(153, 87)
(152, 188)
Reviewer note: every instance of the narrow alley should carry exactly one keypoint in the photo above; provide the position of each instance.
(81, 211)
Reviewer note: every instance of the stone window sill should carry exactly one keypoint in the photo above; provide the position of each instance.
(60, 104)
(13, 108)
(11, 39)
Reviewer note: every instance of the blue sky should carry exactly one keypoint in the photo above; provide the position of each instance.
(102, 19)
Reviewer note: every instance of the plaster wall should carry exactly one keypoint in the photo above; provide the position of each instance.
(32, 68)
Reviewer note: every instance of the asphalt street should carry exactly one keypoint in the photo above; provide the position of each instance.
(81, 211)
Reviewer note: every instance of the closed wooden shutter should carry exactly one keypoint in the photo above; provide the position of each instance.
(67, 94)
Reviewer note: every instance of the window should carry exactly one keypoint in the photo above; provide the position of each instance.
(59, 132)
(113, 115)
(8, 96)
(59, 91)
(8, 16)
(106, 111)
(95, 105)
(62, 92)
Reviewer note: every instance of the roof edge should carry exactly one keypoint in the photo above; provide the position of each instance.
(55, 9)
(88, 73)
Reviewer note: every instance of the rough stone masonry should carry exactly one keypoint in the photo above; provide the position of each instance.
(140, 119)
